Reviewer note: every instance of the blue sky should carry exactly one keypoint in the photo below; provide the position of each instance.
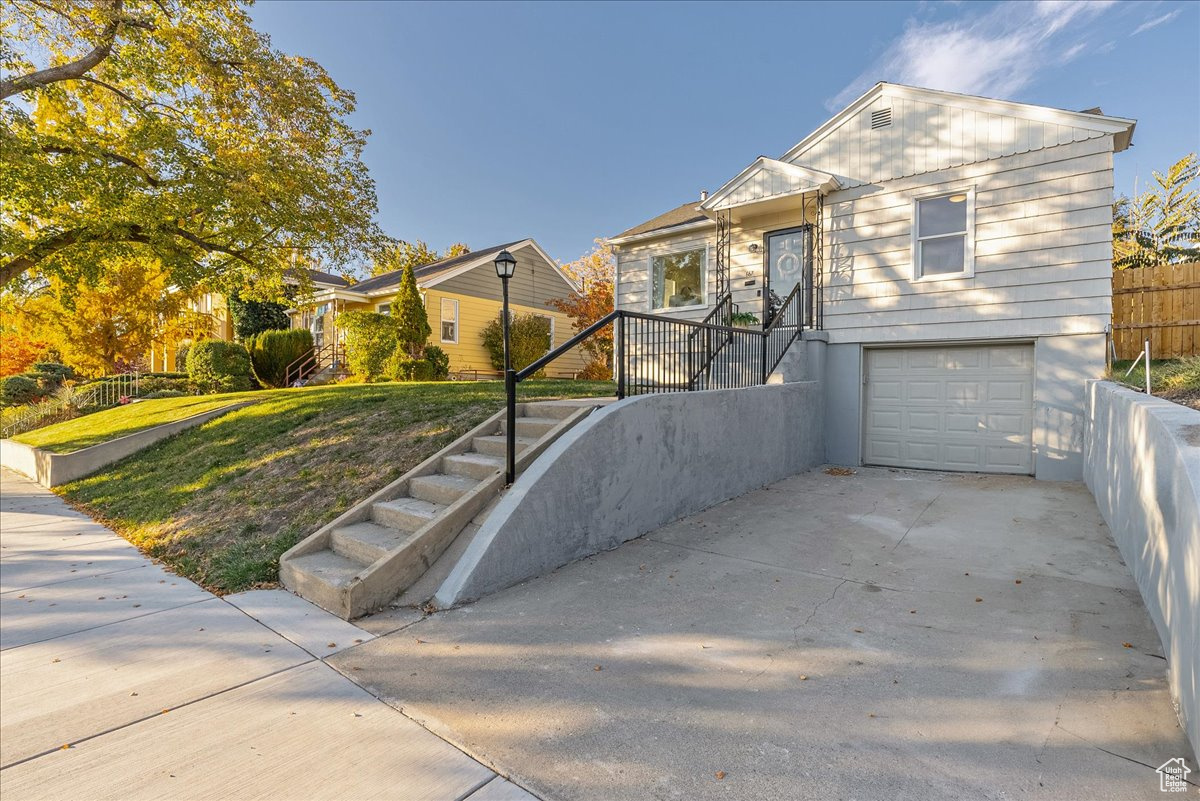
(564, 122)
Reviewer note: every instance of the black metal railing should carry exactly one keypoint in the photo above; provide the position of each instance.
(654, 353)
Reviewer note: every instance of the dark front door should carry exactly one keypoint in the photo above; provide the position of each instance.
(789, 264)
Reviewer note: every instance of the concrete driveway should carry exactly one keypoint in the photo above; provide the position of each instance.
(888, 634)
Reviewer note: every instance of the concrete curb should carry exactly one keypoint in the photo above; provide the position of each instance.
(52, 469)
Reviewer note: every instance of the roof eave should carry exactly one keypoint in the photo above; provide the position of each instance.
(660, 232)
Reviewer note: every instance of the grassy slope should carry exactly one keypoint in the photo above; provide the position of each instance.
(219, 503)
(122, 420)
(1174, 379)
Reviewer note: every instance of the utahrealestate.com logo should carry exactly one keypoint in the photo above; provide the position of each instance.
(1172, 776)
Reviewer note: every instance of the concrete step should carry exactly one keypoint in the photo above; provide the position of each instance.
(558, 411)
(366, 542)
(477, 466)
(406, 514)
(441, 488)
(320, 577)
(495, 445)
(532, 427)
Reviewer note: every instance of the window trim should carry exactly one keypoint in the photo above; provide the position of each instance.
(704, 304)
(968, 270)
(380, 306)
(442, 321)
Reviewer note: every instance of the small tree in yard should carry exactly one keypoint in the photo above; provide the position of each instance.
(594, 273)
(412, 324)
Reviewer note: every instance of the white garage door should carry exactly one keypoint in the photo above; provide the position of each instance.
(966, 408)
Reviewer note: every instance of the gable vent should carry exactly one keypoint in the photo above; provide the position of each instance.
(881, 118)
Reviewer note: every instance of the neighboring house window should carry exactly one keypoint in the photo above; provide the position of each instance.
(943, 242)
(679, 279)
(549, 331)
(449, 320)
(384, 308)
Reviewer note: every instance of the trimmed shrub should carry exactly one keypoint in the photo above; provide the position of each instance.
(595, 370)
(63, 372)
(19, 389)
(529, 337)
(272, 352)
(371, 339)
(153, 384)
(216, 366)
(165, 393)
(439, 363)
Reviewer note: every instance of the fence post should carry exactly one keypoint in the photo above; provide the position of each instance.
(1147, 345)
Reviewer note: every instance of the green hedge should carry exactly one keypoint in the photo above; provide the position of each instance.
(371, 339)
(216, 366)
(272, 352)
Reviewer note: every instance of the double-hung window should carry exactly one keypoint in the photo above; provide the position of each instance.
(679, 279)
(449, 320)
(384, 308)
(943, 240)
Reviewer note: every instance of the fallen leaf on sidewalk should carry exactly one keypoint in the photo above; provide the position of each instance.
(978, 600)
(838, 471)
(1126, 644)
(597, 667)
(720, 775)
(331, 645)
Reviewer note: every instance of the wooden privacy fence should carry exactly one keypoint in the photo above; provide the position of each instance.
(1162, 303)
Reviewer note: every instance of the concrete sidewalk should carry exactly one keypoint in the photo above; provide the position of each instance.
(121, 680)
(889, 634)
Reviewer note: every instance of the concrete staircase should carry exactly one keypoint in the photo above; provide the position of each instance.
(383, 547)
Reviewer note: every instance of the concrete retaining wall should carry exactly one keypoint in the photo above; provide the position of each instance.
(643, 462)
(1142, 463)
(53, 469)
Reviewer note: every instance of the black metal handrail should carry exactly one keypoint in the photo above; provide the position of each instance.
(655, 353)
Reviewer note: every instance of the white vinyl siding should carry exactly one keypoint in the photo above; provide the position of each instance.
(965, 408)
(1042, 253)
(633, 268)
(449, 321)
(927, 137)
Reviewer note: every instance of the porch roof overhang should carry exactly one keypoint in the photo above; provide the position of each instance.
(768, 185)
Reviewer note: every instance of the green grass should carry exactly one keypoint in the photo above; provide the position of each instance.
(219, 503)
(1173, 379)
(92, 429)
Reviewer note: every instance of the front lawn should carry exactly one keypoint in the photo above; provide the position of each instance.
(219, 503)
(92, 429)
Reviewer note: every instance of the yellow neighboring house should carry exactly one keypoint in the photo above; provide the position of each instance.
(210, 306)
(461, 296)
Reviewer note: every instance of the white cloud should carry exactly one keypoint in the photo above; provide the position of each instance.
(1154, 23)
(994, 54)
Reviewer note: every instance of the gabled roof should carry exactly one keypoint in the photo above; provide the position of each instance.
(432, 274)
(766, 178)
(685, 215)
(318, 277)
(1119, 127)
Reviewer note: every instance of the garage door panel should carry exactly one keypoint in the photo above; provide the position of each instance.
(966, 408)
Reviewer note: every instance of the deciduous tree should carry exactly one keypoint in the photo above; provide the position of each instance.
(594, 273)
(1162, 225)
(400, 255)
(172, 129)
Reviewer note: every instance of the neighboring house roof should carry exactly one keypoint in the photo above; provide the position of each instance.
(318, 277)
(429, 272)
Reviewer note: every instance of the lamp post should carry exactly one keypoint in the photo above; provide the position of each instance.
(506, 265)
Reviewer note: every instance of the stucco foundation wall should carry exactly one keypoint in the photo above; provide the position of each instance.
(1142, 464)
(632, 467)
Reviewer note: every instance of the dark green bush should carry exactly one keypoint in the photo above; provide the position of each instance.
(438, 361)
(63, 372)
(152, 384)
(371, 339)
(165, 393)
(252, 317)
(18, 389)
(529, 338)
(271, 352)
(216, 366)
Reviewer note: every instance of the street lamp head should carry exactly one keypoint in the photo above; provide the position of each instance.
(506, 265)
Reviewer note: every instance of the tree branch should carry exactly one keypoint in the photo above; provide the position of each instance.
(128, 162)
(79, 67)
(41, 250)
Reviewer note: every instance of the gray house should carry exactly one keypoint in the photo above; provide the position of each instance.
(954, 252)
